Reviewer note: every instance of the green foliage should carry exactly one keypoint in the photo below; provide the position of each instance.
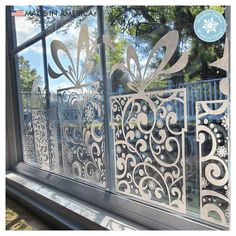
(149, 23)
(30, 85)
(27, 74)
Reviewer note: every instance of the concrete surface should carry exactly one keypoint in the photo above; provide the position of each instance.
(20, 218)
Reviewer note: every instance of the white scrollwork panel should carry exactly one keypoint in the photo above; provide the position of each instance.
(212, 135)
(39, 119)
(28, 144)
(148, 131)
(54, 153)
(82, 130)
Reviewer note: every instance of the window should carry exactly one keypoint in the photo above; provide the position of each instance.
(127, 101)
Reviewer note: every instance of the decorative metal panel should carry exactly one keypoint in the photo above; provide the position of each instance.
(81, 111)
(39, 119)
(148, 130)
(212, 124)
(212, 135)
(149, 146)
(82, 134)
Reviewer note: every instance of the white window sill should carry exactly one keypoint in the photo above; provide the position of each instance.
(63, 207)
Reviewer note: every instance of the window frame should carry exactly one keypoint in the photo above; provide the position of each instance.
(141, 213)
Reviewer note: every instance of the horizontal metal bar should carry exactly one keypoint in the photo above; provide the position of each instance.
(143, 214)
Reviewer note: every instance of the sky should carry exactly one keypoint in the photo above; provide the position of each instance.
(25, 29)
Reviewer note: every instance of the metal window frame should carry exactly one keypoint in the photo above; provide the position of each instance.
(141, 213)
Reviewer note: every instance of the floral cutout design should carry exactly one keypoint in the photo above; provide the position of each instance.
(213, 161)
(210, 25)
(149, 146)
(76, 72)
(81, 112)
(139, 80)
(225, 121)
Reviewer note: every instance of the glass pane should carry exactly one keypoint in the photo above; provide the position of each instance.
(76, 92)
(27, 22)
(159, 70)
(32, 90)
(168, 106)
(63, 124)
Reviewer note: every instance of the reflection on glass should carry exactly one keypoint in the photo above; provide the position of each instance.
(159, 70)
(32, 90)
(140, 28)
(28, 24)
(76, 91)
(65, 133)
(69, 36)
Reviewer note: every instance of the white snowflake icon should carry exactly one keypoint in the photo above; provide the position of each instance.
(225, 121)
(210, 25)
(222, 151)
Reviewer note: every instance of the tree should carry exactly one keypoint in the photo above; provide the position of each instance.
(30, 83)
(27, 74)
(147, 24)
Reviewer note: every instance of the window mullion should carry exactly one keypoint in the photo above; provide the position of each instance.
(106, 92)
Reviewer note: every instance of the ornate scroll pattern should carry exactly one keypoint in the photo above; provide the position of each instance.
(53, 126)
(149, 130)
(149, 146)
(81, 111)
(82, 130)
(39, 119)
(40, 143)
(212, 134)
(28, 133)
(28, 141)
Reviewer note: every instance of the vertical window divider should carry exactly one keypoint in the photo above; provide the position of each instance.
(44, 58)
(45, 66)
(14, 84)
(106, 92)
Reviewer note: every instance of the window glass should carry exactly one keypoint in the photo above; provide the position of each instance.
(32, 91)
(27, 22)
(167, 113)
(67, 117)
(168, 109)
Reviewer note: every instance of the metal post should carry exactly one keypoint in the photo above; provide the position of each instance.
(13, 114)
(106, 88)
(45, 63)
